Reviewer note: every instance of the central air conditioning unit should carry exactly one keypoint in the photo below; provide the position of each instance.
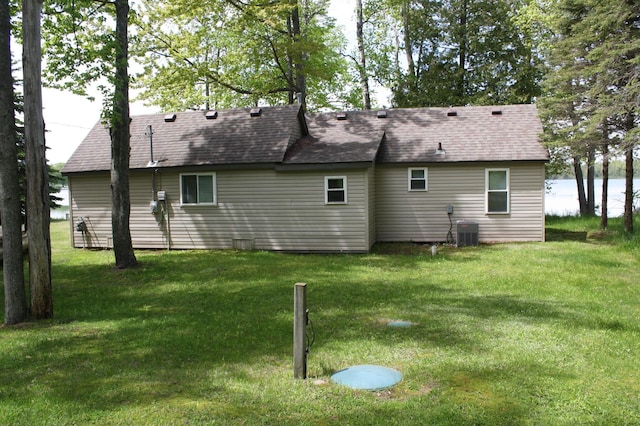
(467, 233)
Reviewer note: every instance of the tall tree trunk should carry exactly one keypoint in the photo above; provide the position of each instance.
(362, 65)
(462, 53)
(290, 74)
(299, 59)
(628, 192)
(120, 146)
(591, 175)
(38, 209)
(15, 302)
(582, 199)
(411, 66)
(604, 214)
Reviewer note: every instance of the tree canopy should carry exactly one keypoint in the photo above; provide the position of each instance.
(231, 53)
(592, 93)
(456, 52)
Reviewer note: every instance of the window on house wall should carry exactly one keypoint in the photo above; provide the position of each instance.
(198, 188)
(335, 190)
(497, 184)
(417, 179)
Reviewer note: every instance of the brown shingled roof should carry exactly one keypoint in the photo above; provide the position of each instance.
(412, 135)
(279, 136)
(336, 141)
(233, 137)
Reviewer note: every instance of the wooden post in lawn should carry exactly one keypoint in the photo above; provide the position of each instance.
(299, 331)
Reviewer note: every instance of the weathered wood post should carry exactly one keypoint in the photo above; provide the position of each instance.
(299, 331)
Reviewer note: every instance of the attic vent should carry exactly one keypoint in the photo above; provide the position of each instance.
(255, 112)
(211, 115)
(496, 112)
(382, 113)
(170, 118)
(341, 116)
(452, 113)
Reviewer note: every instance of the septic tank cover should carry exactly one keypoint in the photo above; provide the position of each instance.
(368, 377)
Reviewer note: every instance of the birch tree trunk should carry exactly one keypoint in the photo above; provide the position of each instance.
(408, 48)
(15, 304)
(38, 210)
(299, 58)
(362, 59)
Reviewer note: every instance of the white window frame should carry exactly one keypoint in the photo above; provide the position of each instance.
(327, 189)
(411, 179)
(214, 189)
(507, 190)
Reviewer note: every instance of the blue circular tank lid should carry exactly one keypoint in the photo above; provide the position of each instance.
(400, 324)
(367, 377)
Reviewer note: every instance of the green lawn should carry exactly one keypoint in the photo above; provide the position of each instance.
(536, 333)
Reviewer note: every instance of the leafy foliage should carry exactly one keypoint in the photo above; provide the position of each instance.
(229, 54)
(80, 48)
(592, 92)
(459, 52)
(56, 181)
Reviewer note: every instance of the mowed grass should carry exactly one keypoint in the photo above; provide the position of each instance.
(533, 333)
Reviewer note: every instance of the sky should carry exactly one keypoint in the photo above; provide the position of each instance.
(68, 118)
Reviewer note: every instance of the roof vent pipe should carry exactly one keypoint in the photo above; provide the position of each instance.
(149, 133)
(440, 150)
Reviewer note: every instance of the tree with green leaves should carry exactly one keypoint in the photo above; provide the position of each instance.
(458, 52)
(593, 93)
(83, 50)
(231, 53)
(613, 28)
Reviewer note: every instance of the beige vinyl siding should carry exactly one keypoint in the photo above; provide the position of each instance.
(371, 213)
(266, 209)
(422, 216)
(90, 201)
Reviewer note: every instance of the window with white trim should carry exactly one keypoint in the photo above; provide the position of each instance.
(198, 189)
(417, 179)
(497, 188)
(335, 190)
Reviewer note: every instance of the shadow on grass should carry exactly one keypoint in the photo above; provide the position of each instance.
(140, 336)
(560, 235)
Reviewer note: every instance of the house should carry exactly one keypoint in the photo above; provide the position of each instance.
(275, 178)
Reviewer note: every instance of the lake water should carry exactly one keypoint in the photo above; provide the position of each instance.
(62, 212)
(562, 199)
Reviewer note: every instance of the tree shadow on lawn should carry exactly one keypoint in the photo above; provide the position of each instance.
(147, 334)
(559, 235)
